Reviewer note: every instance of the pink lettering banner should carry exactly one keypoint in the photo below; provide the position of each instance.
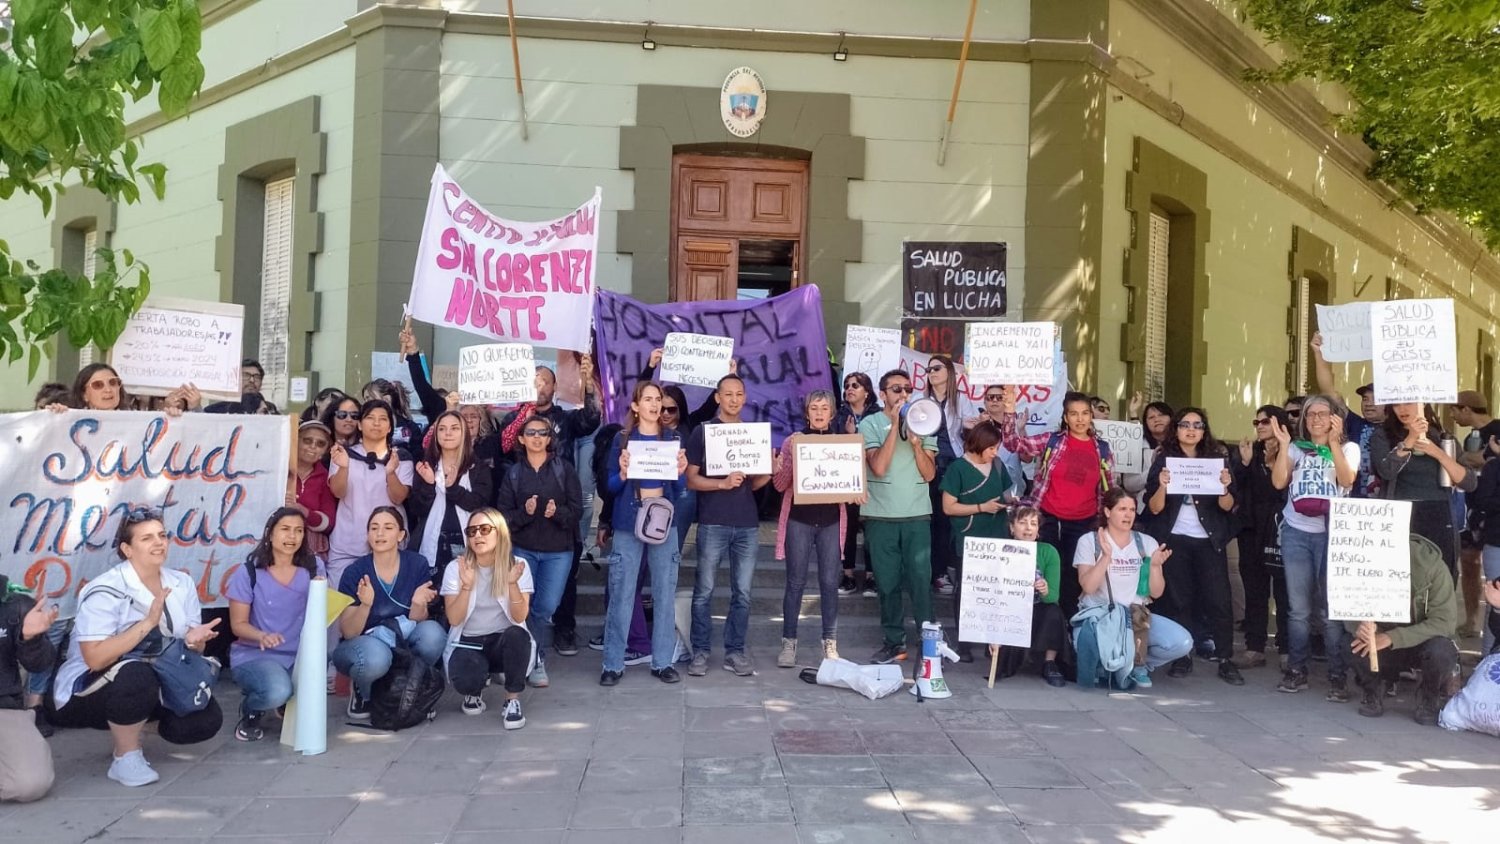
(525, 282)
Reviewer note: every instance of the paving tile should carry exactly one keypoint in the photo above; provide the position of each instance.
(411, 779)
(996, 743)
(820, 805)
(178, 817)
(638, 745)
(1074, 834)
(833, 771)
(742, 743)
(721, 719)
(452, 749)
(509, 777)
(736, 805)
(1000, 833)
(537, 810)
(401, 816)
(283, 816)
(1057, 805)
(974, 720)
(757, 833)
(932, 743)
(533, 836)
(622, 836)
(668, 720)
(307, 781)
(632, 774)
(952, 805)
(656, 808)
(89, 781)
(818, 833)
(1087, 746)
(733, 770)
(53, 820)
(1025, 772)
(919, 771)
(825, 742)
(545, 746)
(1138, 773)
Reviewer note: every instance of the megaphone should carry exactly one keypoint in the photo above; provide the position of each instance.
(929, 671)
(922, 417)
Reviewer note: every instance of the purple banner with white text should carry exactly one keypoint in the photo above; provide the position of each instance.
(779, 343)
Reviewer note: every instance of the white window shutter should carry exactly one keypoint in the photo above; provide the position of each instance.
(1157, 245)
(276, 290)
(1303, 334)
(90, 353)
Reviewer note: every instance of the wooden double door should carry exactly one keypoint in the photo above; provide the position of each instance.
(739, 225)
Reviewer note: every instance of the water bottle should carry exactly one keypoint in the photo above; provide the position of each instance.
(1450, 447)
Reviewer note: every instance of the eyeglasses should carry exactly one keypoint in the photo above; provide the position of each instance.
(346, 414)
(1259, 422)
(1190, 426)
(1294, 413)
(317, 441)
(1102, 408)
(112, 383)
(537, 432)
(995, 397)
(669, 410)
(898, 390)
(478, 530)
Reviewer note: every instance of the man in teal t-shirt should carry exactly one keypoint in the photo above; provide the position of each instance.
(897, 514)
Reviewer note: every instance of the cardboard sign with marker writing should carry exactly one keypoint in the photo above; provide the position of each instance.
(730, 447)
(1415, 351)
(498, 373)
(828, 469)
(1010, 352)
(1126, 443)
(998, 591)
(697, 359)
(171, 342)
(1369, 560)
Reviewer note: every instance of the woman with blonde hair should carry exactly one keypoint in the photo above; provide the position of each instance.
(487, 597)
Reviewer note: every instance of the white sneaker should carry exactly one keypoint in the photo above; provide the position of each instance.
(830, 649)
(132, 770)
(514, 720)
(473, 705)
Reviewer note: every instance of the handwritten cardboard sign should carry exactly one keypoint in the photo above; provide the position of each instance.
(737, 447)
(651, 460)
(1127, 444)
(1346, 332)
(696, 359)
(170, 342)
(498, 373)
(1192, 476)
(1369, 560)
(828, 469)
(1010, 352)
(1415, 351)
(873, 351)
(998, 591)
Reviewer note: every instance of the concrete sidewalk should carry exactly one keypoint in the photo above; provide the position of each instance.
(770, 759)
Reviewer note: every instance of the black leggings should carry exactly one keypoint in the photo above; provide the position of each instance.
(477, 657)
(1048, 633)
(1263, 583)
(135, 696)
(1197, 595)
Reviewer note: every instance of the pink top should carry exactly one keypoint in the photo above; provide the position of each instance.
(782, 480)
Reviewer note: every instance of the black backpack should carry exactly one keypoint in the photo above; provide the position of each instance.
(408, 694)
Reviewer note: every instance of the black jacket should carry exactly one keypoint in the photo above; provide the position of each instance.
(423, 495)
(568, 426)
(35, 655)
(556, 481)
(1216, 522)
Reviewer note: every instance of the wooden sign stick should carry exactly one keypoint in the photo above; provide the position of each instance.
(994, 661)
(1374, 654)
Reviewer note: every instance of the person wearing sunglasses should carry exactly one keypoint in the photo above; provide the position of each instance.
(1260, 537)
(1196, 528)
(942, 387)
(364, 476)
(133, 608)
(307, 487)
(896, 514)
(540, 498)
(393, 597)
(342, 418)
(487, 598)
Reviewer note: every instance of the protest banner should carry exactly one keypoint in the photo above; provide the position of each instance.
(696, 359)
(496, 373)
(1127, 444)
(737, 447)
(873, 351)
(1369, 560)
(828, 469)
(73, 476)
(998, 591)
(1010, 352)
(531, 282)
(1041, 404)
(965, 280)
(170, 342)
(783, 350)
(652, 460)
(1195, 476)
(1346, 332)
(1415, 351)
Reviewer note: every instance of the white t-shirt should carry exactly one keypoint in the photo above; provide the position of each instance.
(1124, 568)
(1188, 523)
(487, 615)
(1313, 476)
(114, 601)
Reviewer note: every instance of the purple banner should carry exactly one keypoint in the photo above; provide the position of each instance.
(780, 344)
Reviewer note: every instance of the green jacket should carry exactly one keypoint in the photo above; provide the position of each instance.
(1434, 607)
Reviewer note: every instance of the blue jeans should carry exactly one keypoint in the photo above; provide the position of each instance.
(625, 554)
(549, 573)
(715, 542)
(684, 513)
(264, 683)
(37, 683)
(366, 659)
(583, 454)
(811, 547)
(1305, 556)
(1166, 641)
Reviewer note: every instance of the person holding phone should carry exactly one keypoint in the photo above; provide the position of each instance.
(486, 598)
(393, 593)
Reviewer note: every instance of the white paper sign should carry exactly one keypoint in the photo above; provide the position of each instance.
(171, 342)
(1369, 560)
(1415, 351)
(1126, 444)
(1010, 352)
(651, 460)
(873, 351)
(498, 373)
(1195, 476)
(737, 447)
(998, 591)
(828, 469)
(1346, 331)
(696, 359)
(299, 389)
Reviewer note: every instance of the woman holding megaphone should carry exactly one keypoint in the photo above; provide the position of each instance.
(1073, 472)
